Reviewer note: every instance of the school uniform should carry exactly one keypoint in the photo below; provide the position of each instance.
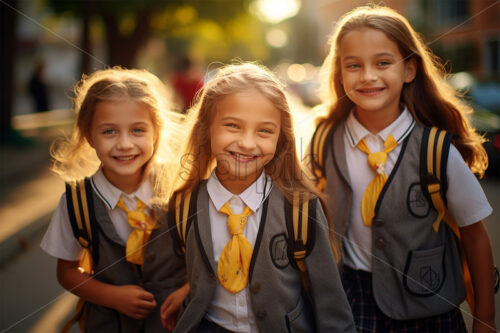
(409, 271)
(273, 300)
(112, 266)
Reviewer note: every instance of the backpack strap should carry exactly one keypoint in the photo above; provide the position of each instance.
(82, 219)
(182, 211)
(434, 159)
(80, 205)
(435, 148)
(300, 217)
(319, 146)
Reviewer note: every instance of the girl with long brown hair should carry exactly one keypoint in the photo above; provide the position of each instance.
(382, 88)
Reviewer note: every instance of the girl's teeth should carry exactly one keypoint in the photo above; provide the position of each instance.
(247, 157)
(125, 158)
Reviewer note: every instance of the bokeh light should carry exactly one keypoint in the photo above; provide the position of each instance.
(277, 37)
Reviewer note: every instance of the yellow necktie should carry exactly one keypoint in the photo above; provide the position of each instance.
(377, 162)
(234, 260)
(142, 226)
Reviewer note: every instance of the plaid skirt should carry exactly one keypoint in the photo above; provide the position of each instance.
(369, 318)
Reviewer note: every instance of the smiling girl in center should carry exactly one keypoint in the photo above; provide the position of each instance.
(241, 278)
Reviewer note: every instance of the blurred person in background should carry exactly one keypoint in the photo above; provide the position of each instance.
(187, 80)
(38, 88)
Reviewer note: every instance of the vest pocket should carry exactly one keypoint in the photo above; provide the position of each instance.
(300, 318)
(425, 272)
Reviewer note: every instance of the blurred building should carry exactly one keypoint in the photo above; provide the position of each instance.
(466, 33)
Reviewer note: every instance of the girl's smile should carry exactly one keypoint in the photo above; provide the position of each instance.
(373, 73)
(243, 134)
(123, 137)
(243, 158)
(126, 159)
(370, 91)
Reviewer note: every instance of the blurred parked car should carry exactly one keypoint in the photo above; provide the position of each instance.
(484, 97)
(488, 123)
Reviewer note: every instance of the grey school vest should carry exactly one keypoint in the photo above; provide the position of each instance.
(275, 287)
(163, 272)
(416, 272)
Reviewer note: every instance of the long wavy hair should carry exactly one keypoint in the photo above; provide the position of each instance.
(74, 158)
(198, 160)
(431, 100)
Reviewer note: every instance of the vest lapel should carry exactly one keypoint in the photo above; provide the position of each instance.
(339, 152)
(204, 233)
(104, 222)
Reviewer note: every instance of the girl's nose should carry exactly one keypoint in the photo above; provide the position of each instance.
(247, 142)
(125, 142)
(368, 74)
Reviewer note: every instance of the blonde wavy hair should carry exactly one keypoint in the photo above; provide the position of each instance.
(198, 160)
(431, 100)
(74, 158)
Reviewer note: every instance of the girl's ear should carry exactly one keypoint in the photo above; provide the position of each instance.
(410, 70)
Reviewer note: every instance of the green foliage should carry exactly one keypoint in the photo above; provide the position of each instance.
(213, 30)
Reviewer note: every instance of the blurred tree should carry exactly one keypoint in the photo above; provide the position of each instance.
(7, 55)
(128, 24)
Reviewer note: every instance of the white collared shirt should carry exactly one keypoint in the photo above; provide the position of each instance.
(59, 240)
(358, 240)
(228, 310)
(466, 207)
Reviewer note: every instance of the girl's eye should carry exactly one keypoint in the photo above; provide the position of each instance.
(108, 131)
(352, 66)
(266, 131)
(138, 130)
(232, 125)
(383, 63)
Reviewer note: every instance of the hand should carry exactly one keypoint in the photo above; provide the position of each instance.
(133, 301)
(170, 308)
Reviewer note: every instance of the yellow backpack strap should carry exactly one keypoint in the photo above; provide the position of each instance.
(77, 317)
(319, 145)
(437, 143)
(182, 211)
(182, 201)
(81, 215)
(300, 216)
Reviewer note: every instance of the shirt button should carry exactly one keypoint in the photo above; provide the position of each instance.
(255, 288)
(380, 243)
(378, 222)
(261, 314)
(243, 219)
(150, 257)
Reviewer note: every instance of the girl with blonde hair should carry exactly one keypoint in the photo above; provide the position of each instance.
(114, 149)
(239, 269)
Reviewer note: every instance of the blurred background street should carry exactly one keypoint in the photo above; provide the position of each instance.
(47, 45)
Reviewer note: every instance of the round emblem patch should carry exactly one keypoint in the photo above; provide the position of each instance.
(417, 202)
(279, 251)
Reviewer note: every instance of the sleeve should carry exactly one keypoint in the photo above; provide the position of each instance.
(59, 240)
(467, 202)
(331, 308)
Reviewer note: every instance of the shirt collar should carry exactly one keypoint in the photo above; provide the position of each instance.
(252, 196)
(399, 128)
(110, 194)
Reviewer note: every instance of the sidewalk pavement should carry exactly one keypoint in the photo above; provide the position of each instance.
(29, 191)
